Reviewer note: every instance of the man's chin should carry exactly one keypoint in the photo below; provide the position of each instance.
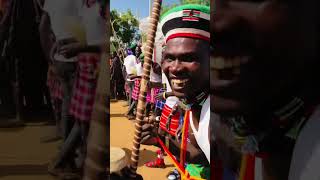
(224, 106)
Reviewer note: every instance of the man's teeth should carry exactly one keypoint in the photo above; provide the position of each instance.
(225, 63)
(178, 82)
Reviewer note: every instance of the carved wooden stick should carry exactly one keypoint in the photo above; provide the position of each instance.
(143, 87)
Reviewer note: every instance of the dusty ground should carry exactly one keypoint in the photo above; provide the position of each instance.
(121, 135)
(22, 156)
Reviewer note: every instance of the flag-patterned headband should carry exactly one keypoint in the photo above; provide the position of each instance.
(191, 20)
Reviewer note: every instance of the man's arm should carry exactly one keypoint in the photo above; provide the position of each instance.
(46, 34)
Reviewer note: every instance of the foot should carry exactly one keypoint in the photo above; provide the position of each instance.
(158, 163)
(131, 117)
(54, 170)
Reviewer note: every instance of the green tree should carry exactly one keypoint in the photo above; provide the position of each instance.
(124, 27)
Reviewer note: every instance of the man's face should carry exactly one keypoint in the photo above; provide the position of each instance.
(260, 50)
(186, 64)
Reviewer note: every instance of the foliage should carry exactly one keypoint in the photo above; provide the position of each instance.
(125, 26)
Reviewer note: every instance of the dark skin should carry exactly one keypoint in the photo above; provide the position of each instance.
(186, 59)
(46, 35)
(262, 31)
(280, 50)
(73, 48)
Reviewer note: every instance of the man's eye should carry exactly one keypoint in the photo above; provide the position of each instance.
(189, 58)
(169, 59)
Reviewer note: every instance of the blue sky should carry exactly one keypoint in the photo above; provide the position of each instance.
(139, 8)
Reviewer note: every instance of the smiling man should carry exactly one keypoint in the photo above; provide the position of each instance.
(264, 101)
(185, 62)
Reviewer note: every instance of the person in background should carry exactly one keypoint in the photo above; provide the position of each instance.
(47, 39)
(87, 50)
(130, 66)
(116, 77)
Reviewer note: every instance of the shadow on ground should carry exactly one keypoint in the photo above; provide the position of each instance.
(38, 169)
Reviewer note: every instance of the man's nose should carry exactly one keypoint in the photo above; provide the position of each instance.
(176, 67)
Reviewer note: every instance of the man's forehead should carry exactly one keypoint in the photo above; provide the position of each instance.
(185, 44)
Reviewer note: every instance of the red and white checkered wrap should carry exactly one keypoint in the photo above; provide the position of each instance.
(136, 91)
(127, 88)
(85, 87)
(174, 124)
(148, 97)
(154, 93)
(55, 88)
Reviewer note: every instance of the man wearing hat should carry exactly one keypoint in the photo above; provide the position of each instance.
(184, 129)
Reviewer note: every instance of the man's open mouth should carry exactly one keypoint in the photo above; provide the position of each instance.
(225, 73)
(223, 68)
(179, 83)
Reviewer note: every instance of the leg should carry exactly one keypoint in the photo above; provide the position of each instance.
(68, 148)
(66, 72)
(132, 107)
(131, 86)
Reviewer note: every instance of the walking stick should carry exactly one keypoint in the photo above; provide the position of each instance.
(143, 87)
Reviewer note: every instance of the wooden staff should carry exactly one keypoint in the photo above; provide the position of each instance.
(143, 87)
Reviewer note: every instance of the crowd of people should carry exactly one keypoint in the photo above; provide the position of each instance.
(126, 73)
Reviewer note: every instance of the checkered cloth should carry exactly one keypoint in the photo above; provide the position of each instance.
(154, 93)
(136, 89)
(160, 103)
(148, 97)
(55, 88)
(127, 88)
(85, 87)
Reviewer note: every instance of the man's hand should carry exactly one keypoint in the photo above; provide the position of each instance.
(148, 134)
(159, 96)
(52, 72)
(70, 50)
